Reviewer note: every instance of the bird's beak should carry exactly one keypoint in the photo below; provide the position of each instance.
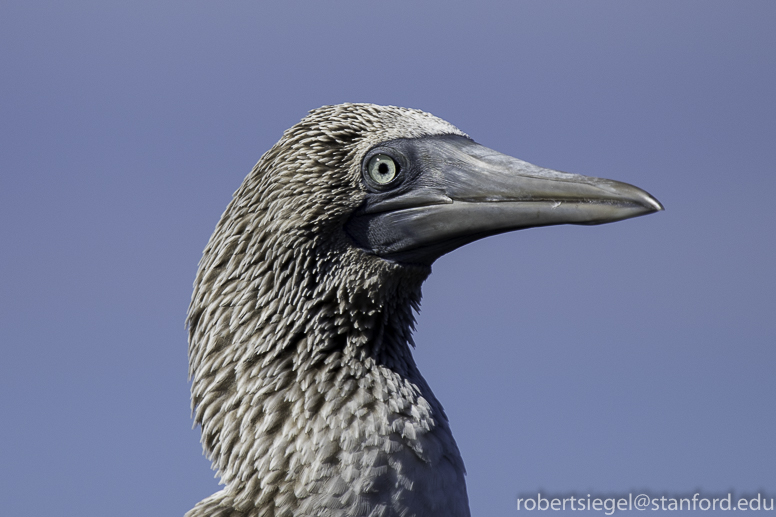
(461, 191)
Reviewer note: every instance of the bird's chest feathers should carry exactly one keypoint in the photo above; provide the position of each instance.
(360, 423)
(338, 436)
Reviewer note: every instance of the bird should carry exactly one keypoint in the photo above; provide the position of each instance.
(300, 323)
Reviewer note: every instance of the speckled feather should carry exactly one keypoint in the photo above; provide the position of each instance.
(304, 384)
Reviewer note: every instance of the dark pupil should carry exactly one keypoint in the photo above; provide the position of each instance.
(382, 168)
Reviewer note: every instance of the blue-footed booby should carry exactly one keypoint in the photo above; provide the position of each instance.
(301, 320)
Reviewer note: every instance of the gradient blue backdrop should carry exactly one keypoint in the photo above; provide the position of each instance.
(633, 356)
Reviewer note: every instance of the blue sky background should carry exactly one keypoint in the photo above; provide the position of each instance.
(637, 356)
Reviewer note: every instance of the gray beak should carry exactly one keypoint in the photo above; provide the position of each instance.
(453, 191)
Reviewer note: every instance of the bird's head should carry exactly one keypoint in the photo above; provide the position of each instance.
(400, 186)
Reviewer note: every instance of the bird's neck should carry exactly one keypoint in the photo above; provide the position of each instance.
(313, 400)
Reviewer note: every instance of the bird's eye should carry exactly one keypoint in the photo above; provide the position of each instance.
(382, 169)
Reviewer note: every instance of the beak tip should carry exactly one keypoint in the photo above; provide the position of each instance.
(653, 203)
(656, 205)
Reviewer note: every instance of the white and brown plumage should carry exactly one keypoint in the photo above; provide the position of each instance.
(300, 322)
